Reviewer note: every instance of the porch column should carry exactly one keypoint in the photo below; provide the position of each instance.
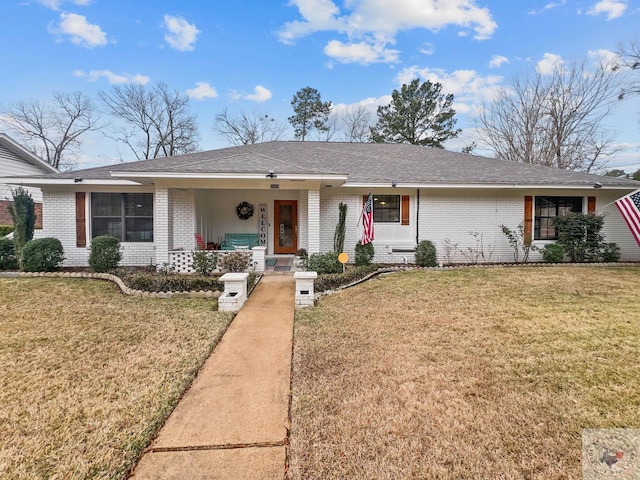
(313, 220)
(162, 237)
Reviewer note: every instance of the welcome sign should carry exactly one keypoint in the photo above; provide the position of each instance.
(263, 225)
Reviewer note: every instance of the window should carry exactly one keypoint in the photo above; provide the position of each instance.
(126, 216)
(386, 209)
(547, 208)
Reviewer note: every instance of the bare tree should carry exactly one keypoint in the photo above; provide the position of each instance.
(355, 121)
(52, 130)
(629, 55)
(555, 120)
(248, 129)
(156, 120)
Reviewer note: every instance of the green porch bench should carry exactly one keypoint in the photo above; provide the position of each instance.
(234, 240)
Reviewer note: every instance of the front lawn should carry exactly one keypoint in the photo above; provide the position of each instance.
(465, 374)
(89, 375)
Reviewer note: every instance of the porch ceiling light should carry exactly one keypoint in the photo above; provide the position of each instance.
(271, 174)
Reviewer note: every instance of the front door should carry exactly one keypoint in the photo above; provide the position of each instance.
(285, 219)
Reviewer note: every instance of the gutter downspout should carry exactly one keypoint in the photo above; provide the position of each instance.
(417, 216)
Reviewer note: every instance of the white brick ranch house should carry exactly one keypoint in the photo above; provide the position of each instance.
(458, 201)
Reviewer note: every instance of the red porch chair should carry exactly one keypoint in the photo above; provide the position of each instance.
(200, 242)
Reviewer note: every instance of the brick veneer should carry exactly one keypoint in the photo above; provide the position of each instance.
(5, 218)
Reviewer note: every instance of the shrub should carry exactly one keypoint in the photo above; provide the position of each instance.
(105, 253)
(610, 252)
(364, 254)
(323, 263)
(518, 241)
(8, 260)
(426, 255)
(338, 237)
(23, 214)
(5, 230)
(174, 282)
(552, 253)
(331, 281)
(204, 262)
(42, 255)
(580, 236)
(235, 262)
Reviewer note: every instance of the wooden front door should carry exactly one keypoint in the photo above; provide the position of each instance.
(285, 219)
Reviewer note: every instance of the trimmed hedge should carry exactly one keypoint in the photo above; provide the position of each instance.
(8, 260)
(42, 255)
(426, 255)
(105, 253)
(364, 254)
(174, 282)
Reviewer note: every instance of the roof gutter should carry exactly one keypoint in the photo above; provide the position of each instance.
(486, 186)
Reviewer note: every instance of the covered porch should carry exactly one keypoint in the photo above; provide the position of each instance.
(269, 224)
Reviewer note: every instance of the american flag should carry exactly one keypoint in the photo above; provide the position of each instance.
(629, 207)
(367, 220)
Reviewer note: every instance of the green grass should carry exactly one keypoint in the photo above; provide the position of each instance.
(89, 375)
(465, 374)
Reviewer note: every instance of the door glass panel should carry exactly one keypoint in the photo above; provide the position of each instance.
(285, 232)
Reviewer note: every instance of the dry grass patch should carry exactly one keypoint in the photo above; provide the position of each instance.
(465, 374)
(89, 375)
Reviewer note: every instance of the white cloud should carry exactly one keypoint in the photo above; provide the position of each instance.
(56, 4)
(261, 94)
(605, 57)
(375, 23)
(181, 34)
(427, 49)
(613, 9)
(80, 30)
(549, 63)
(497, 61)
(548, 6)
(112, 78)
(469, 88)
(361, 52)
(201, 91)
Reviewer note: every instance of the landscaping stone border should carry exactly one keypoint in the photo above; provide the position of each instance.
(118, 281)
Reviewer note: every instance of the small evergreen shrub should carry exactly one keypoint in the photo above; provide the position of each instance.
(8, 260)
(426, 255)
(323, 263)
(610, 252)
(204, 262)
(364, 254)
(552, 253)
(105, 253)
(5, 230)
(42, 255)
(235, 262)
(580, 236)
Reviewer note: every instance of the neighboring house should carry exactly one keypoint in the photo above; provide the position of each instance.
(458, 201)
(15, 160)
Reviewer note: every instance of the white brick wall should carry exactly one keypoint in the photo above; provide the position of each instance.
(162, 229)
(59, 213)
(329, 215)
(313, 225)
(184, 219)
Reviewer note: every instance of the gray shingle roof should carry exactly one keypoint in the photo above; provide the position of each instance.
(364, 163)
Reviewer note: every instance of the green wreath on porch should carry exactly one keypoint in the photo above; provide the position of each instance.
(244, 210)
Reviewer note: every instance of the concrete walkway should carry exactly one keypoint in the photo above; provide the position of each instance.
(233, 422)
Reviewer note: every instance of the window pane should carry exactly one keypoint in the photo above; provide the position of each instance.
(107, 226)
(547, 208)
(386, 208)
(138, 204)
(139, 230)
(106, 204)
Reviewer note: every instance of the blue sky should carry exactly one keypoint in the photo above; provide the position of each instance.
(253, 56)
